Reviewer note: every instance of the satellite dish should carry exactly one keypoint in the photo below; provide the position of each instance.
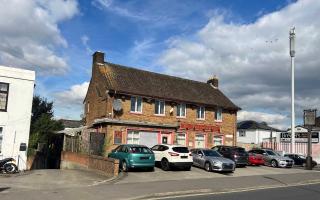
(117, 105)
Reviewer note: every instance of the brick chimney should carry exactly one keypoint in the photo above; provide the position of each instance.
(213, 81)
(98, 57)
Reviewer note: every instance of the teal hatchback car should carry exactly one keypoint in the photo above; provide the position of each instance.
(133, 156)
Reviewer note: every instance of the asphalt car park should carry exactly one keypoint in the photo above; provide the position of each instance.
(198, 173)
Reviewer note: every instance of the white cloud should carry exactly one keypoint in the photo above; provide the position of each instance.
(252, 60)
(122, 11)
(29, 33)
(84, 40)
(73, 96)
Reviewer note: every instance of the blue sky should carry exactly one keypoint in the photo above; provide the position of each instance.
(244, 42)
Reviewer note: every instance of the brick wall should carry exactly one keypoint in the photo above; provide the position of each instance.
(107, 166)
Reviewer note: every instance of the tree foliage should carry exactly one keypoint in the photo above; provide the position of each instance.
(43, 125)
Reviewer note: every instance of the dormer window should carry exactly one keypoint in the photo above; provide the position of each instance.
(136, 104)
(201, 112)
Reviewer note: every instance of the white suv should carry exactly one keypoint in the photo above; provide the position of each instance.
(172, 156)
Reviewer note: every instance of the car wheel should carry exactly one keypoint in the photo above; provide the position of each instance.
(124, 166)
(10, 168)
(274, 163)
(207, 167)
(165, 164)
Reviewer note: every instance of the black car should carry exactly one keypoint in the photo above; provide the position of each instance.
(299, 159)
(237, 154)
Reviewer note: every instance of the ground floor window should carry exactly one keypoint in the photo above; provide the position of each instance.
(1, 137)
(133, 137)
(117, 137)
(181, 139)
(217, 140)
(200, 141)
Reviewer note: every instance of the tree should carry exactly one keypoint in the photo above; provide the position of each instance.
(43, 125)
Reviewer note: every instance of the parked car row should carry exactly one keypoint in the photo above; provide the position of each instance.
(220, 158)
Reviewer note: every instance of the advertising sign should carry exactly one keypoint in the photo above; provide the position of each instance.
(300, 137)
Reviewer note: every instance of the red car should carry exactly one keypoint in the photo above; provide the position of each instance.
(255, 159)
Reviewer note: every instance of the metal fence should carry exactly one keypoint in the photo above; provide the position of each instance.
(301, 148)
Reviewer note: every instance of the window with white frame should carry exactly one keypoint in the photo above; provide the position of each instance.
(217, 140)
(133, 137)
(200, 141)
(159, 107)
(1, 138)
(181, 110)
(242, 133)
(201, 112)
(136, 104)
(218, 114)
(181, 139)
(4, 93)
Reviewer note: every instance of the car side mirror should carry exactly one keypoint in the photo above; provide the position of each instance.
(200, 154)
(264, 154)
(113, 151)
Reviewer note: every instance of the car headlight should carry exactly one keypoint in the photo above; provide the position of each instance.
(217, 163)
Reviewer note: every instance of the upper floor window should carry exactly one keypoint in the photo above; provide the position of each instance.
(159, 107)
(242, 133)
(218, 114)
(136, 104)
(201, 112)
(4, 93)
(181, 110)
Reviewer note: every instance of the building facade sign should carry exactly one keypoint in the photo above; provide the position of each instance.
(300, 137)
(200, 127)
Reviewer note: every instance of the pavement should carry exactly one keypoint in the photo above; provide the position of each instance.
(76, 184)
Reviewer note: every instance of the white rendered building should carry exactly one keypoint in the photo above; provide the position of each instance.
(16, 94)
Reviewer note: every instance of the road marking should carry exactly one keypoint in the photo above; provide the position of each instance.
(190, 193)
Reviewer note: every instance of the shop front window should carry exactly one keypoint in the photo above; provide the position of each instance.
(200, 141)
(217, 140)
(133, 137)
(181, 139)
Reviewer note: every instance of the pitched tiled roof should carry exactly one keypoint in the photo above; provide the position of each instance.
(139, 82)
(249, 124)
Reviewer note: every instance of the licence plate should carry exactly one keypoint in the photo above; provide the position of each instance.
(184, 156)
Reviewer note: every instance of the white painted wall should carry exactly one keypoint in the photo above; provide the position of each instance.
(255, 136)
(16, 121)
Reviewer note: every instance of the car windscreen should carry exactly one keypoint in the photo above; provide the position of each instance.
(180, 149)
(211, 153)
(271, 153)
(142, 150)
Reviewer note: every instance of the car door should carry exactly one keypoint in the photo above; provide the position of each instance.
(115, 152)
(195, 157)
(201, 158)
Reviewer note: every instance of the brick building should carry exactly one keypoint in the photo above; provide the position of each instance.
(130, 105)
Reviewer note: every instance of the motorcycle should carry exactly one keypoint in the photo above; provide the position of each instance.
(8, 166)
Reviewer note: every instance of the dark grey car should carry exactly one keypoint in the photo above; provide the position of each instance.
(211, 160)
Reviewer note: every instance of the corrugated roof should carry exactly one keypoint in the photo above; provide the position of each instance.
(139, 82)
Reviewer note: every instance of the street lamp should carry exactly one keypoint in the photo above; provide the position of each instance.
(309, 118)
(292, 54)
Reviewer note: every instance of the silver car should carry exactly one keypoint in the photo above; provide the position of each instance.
(273, 159)
(211, 160)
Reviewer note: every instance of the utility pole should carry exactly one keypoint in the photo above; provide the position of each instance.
(292, 55)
